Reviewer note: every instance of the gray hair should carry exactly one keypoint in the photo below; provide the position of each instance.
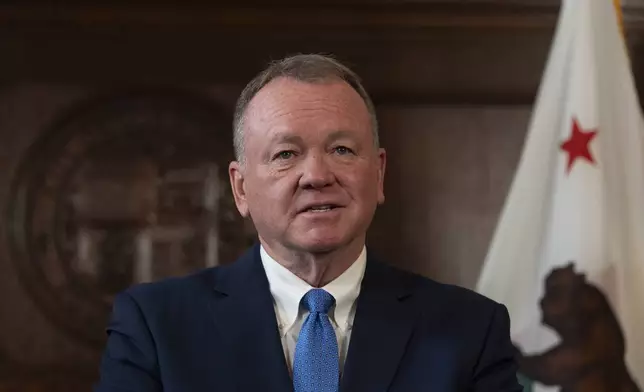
(310, 68)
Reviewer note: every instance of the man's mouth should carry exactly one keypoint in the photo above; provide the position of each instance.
(323, 208)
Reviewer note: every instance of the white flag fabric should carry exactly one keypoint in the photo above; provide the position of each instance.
(567, 256)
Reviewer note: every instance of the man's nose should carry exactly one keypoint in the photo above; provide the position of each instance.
(316, 172)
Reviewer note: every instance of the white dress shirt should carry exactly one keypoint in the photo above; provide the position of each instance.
(288, 289)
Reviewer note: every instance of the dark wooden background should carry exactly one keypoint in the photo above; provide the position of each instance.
(453, 81)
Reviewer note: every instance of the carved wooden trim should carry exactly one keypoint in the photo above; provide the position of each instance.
(386, 16)
(312, 16)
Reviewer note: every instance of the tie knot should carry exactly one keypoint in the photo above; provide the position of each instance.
(318, 300)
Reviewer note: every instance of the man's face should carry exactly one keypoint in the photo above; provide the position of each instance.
(312, 178)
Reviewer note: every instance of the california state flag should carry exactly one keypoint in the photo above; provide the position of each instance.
(567, 257)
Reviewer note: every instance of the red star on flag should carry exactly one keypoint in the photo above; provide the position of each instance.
(577, 144)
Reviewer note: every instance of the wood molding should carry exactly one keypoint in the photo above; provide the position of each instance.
(285, 14)
(353, 16)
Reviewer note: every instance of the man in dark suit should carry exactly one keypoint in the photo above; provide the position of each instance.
(308, 308)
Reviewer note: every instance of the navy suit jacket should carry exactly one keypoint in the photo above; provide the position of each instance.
(216, 331)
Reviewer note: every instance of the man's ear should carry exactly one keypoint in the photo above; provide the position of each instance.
(382, 164)
(236, 175)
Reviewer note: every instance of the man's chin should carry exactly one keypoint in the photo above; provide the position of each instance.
(320, 245)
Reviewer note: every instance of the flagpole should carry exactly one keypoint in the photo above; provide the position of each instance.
(620, 15)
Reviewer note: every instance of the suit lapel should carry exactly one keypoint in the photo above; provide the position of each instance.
(382, 327)
(245, 318)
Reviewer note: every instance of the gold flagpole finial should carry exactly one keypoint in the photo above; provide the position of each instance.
(620, 15)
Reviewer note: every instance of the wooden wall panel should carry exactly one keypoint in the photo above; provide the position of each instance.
(31, 348)
(417, 65)
(449, 170)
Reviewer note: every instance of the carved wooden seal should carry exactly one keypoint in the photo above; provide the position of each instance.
(125, 189)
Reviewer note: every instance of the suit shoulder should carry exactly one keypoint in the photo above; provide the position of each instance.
(457, 297)
(458, 294)
(168, 290)
(463, 310)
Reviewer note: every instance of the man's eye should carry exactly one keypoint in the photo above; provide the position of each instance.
(342, 150)
(287, 154)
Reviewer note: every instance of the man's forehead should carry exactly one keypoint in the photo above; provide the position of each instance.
(297, 137)
(283, 89)
(287, 99)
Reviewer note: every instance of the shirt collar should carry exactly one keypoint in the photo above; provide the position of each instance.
(288, 289)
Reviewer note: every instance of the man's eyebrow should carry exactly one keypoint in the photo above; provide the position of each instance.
(339, 134)
(284, 137)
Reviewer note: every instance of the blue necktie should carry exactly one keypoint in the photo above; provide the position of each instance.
(316, 367)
